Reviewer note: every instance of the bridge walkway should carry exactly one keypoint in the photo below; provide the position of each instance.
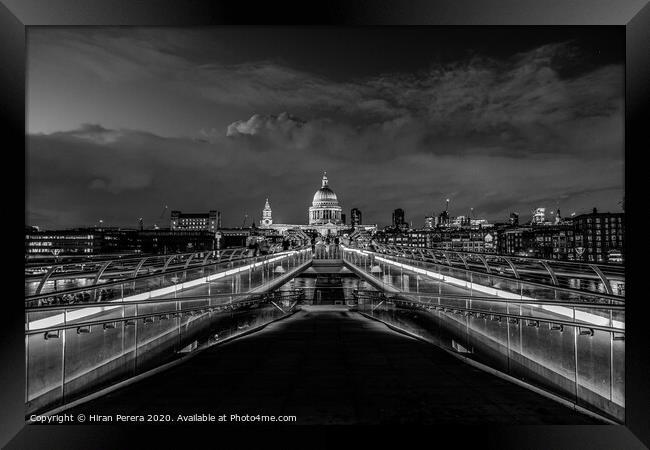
(331, 365)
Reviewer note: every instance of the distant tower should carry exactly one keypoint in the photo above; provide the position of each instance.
(443, 218)
(429, 221)
(267, 220)
(355, 217)
(398, 218)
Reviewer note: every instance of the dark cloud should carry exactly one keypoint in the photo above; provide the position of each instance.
(494, 132)
(521, 106)
(75, 176)
(481, 95)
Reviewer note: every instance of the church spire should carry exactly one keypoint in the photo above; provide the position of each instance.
(267, 218)
(324, 179)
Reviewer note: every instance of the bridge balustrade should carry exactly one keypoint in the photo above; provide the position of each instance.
(75, 348)
(480, 282)
(168, 281)
(579, 276)
(566, 342)
(64, 276)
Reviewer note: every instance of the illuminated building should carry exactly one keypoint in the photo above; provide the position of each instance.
(325, 207)
(210, 221)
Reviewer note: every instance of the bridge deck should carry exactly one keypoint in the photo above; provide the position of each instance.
(328, 365)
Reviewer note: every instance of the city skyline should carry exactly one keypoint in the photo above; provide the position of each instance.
(123, 122)
(525, 217)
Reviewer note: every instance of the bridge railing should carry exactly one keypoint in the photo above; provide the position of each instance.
(390, 267)
(71, 360)
(73, 349)
(574, 350)
(122, 328)
(599, 278)
(64, 276)
(169, 281)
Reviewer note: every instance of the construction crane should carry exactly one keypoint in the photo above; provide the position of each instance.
(162, 214)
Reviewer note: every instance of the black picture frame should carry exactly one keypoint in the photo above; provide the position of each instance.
(633, 15)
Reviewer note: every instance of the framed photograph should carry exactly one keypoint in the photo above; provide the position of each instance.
(390, 219)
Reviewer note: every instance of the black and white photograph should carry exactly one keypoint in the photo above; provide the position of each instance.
(332, 225)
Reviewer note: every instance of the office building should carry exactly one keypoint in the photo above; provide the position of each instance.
(210, 221)
(398, 218)
(599, 237)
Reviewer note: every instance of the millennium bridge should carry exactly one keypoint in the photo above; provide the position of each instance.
(329, 334)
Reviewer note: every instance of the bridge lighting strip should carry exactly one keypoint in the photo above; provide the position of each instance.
(60, 319)
(560, 310)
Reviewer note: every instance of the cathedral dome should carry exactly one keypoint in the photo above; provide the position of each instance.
(325, 208)
(325, 196)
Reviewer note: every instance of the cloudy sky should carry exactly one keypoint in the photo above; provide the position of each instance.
(123, 121)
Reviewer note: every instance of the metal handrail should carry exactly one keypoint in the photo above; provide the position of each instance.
(105, 263)
(510, 300)
(546, 263)
(92, 274)
(130, 258)
(147, 276)
(386, 248)
(508, 258)
(501, 255)
(79, 259)
(67, 326)
(396, 299)
(112, 303)
(519, 280)
(585, 325)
